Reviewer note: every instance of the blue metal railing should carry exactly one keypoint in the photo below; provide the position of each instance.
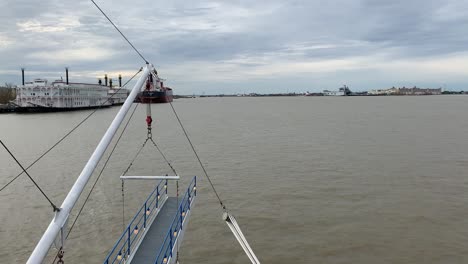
(126, 243)
(165, 252)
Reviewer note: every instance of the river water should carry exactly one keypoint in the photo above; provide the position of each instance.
(310, 179)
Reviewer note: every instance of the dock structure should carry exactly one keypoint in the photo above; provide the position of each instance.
(156, 231)
(7, 108)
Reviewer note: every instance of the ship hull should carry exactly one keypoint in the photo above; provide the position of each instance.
(155, 97)
(38, 109)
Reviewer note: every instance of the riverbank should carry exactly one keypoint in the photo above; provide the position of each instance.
(7, 108)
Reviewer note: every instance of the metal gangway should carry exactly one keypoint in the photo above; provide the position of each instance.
(157, 229)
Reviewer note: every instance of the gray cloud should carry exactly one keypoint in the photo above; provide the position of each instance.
(222, 46)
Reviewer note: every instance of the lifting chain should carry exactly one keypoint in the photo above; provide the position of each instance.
(149, 119)
(123, 206)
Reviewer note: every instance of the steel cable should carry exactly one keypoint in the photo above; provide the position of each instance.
(97, 179)
(120, 32)
(102, 170)
(56, 209)
(198, 158)
(164, 156)
(67, 134)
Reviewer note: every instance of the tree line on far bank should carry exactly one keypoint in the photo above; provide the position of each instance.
(7, 94)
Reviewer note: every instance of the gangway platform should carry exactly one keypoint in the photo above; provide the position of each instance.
(157, 229)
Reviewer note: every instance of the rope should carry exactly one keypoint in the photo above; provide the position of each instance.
(198, 158)
(95, 182)
(164, 156)
(100, 173)
(123, 207)
(134, 158)
(125, 172)
(67, 134)
(120, 32)
(141, 148)
(56, 209)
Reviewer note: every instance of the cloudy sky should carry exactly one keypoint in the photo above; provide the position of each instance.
(242, 46)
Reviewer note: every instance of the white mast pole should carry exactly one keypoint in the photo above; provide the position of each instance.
(61, 217)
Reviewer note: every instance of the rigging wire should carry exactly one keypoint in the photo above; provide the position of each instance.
(125, 172)
(164, 156)
(120, 32)
(100, 173)
(198, 158)
(130, 165)
(95, 182)
(134, 158)
(123, 206)
(56, 209)
(69, 132)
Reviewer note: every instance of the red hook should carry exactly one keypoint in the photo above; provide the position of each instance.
(149, 120)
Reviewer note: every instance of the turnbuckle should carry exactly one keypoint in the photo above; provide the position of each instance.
(149, 120)
(60, 256)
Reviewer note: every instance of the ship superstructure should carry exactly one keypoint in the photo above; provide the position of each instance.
(117, 96)
(155, 92)
(59, 95)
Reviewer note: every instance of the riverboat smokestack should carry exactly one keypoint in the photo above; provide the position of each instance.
(120, 80)
(105, 79)
(110, 82)
(22, 74)
(66, 75)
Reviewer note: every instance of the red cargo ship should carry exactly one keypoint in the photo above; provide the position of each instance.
(155, 94)
(155, 97)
